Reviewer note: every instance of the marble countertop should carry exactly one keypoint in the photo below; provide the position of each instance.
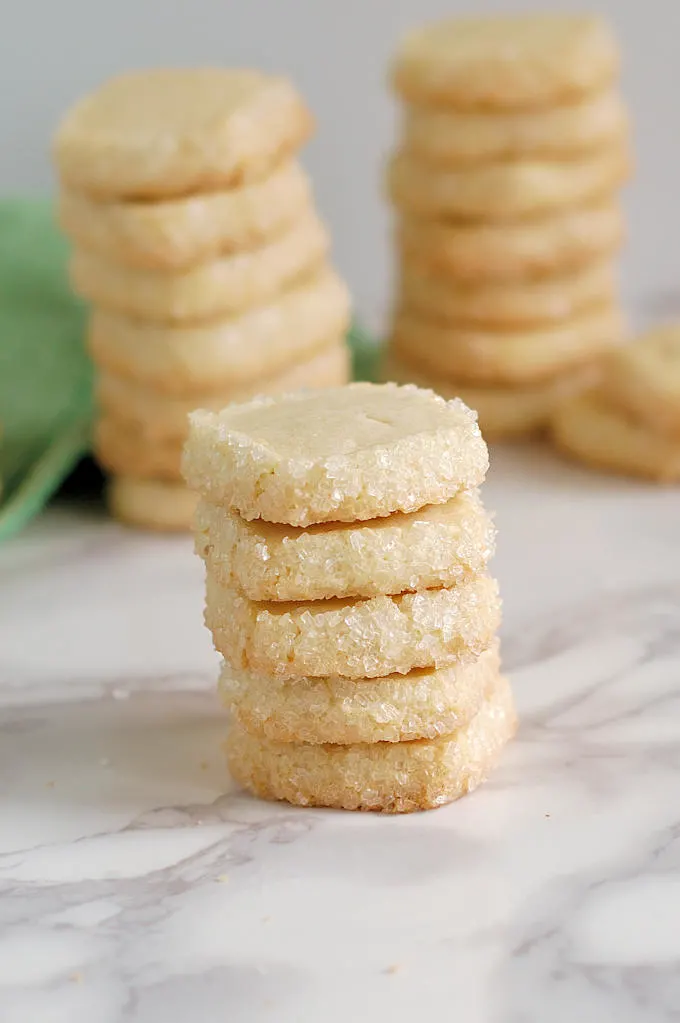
(136, 883)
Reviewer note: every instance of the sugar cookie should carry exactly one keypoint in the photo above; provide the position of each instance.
(354, 638)
(119, 450)
(230, 353)
(505, 190)
(511, 62)
(151, 504)
(508, 356)
(515, 251)
(424, 704)
(169, 132)
(590, 431)
(394, 777)
(643, 379)
(504, 412)
(436, 546)
(173, 234)
(357, 452)
(455, 138)
(160, 417)
(218, 288)
(502, 304)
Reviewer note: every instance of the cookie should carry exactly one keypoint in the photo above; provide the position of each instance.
(351, 453)
(506, 304)
(508, 356)
(220, 287)
(173, 234)
(504, 413)
(151, 504)
(232, 353)
(505, 190)
(424, 704)
(120, 450)
(394, 777)
(161, 417)
(439, 545)
(514, 62)
(170, 132)
(643, 379)
(591, 431)
(458, 138)
(516, 251)
(363, 638)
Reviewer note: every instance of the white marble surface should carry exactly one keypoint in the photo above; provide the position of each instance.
(137, 884)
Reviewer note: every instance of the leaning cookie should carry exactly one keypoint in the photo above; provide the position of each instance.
(151, 504)
(643, 379)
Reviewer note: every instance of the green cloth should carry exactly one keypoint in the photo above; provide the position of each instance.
(45, 375)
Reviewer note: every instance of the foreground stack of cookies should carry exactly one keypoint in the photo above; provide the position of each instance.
(514, 145)
(346, 552)
(630, 422)
(199, 246)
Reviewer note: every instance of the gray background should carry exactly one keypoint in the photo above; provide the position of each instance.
(336, 51)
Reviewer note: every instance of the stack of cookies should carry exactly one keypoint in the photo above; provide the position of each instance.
(630, 422)
(346, 552)
(515, 143)
(197, 242)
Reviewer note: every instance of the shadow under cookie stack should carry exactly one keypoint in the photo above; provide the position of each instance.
(347, 589)
(198, 245)
(514, 146)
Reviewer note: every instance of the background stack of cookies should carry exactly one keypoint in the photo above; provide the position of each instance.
(346, 551)
(199, 246)
(515, 143)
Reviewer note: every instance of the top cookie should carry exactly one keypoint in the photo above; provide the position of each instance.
(345, 454)
(643, 379)
(166, 132)
(519, 62)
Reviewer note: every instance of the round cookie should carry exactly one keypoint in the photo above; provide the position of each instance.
(151, 504)
(170, 132)
(458, 138)
(519, 62)
(160, 417)
(589, 430)
(394, 777)
(439, 545)
(504, 413)
(172, 234)
(506, 190)
(502, 304)
(357, 452)
(508, 356)
(353, 638)
(514, 251)
(218, 288)
(120, 450)
(643, 379)
(198, 358)
(424, 704)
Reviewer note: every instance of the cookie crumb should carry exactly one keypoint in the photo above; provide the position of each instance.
(394, 968)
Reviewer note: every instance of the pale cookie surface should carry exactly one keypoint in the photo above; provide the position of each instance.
(357, 452)
(643, 379)
(151, 504)
(591, 431)
(504, 412)
(394, 777)
(439, 545)
(191, 359)
(173, 234)
(508, 356)
(220, 287)
(161, 417)
(354, 638)
(119, 449)
(424, 704)
(506, 190)
(517, 303)
(514, 251)
(169, 132)
(456, 138)
(512, 62)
